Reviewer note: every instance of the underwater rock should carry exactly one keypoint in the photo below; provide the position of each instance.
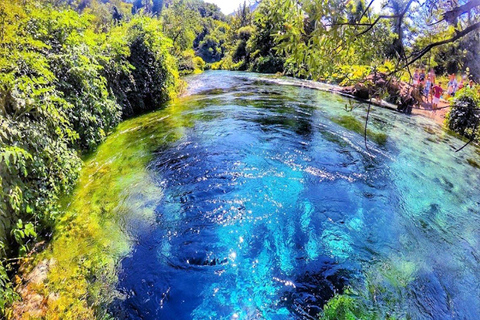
(315, 287)
(33, 304)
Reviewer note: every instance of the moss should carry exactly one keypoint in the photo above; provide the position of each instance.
(353, 124)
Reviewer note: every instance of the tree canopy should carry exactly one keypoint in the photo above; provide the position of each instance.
(320, 39)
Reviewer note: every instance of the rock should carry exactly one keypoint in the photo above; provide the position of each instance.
(40, 272)
(32, 303)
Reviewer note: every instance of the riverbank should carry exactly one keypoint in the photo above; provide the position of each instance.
(439, 115)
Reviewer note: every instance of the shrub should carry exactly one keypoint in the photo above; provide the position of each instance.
(188, 63)
(464, 117)
(199, 63)
(154, 78)
(268, 64)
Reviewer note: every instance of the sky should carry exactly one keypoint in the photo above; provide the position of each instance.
(228, 6)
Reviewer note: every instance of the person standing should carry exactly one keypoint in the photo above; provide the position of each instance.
(471, 84)
(421, 77)
(416, 78)
(437, 93)
(462, 82)
(452, 85)
(430, 81)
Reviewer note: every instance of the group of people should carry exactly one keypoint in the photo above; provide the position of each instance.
(428, 86)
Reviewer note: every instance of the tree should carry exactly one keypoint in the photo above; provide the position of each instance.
(181, 24)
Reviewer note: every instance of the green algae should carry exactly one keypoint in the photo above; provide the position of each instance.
(345, 307)
(114, 187)
(351, 123)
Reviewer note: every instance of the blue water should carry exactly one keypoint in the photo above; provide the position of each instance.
(269, 208)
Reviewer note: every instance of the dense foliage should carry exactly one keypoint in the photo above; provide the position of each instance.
(331, 40)
(464, 117)
(64, 85)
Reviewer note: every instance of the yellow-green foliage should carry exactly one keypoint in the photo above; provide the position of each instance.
(348, 75)
(351, 123)
(199, 64)
(227, 64)
(189, 63)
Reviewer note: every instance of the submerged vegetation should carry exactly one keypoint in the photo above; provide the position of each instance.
(351, 123)
(88, 237)
(344, 307)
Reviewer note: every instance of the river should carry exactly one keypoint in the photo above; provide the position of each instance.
(254, 198)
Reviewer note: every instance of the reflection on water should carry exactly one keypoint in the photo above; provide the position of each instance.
(267, 208)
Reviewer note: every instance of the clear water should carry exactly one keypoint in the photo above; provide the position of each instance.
(266, 207)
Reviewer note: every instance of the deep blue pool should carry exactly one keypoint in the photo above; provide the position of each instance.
(270, 206)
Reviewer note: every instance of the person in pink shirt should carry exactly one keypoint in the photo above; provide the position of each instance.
(437, 93)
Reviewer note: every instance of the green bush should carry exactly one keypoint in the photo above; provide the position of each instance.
(228, 64)
(154, 78)
(189, 63)
(464, 117)
(268, 64)
(199, 63)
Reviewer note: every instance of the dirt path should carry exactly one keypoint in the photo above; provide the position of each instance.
(438, 115)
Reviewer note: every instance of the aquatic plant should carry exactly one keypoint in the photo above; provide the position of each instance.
(344, 307)
(88, 237)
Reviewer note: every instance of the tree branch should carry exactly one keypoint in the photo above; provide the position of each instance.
(452, 15)
(366, 10)
(395, 16)
(458, 35)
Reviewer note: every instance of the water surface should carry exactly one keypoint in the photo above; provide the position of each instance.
(264, 205)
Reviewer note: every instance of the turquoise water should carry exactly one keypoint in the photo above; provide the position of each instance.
(268, 207)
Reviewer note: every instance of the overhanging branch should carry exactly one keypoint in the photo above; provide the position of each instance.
(452, 15)
(458, 35)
